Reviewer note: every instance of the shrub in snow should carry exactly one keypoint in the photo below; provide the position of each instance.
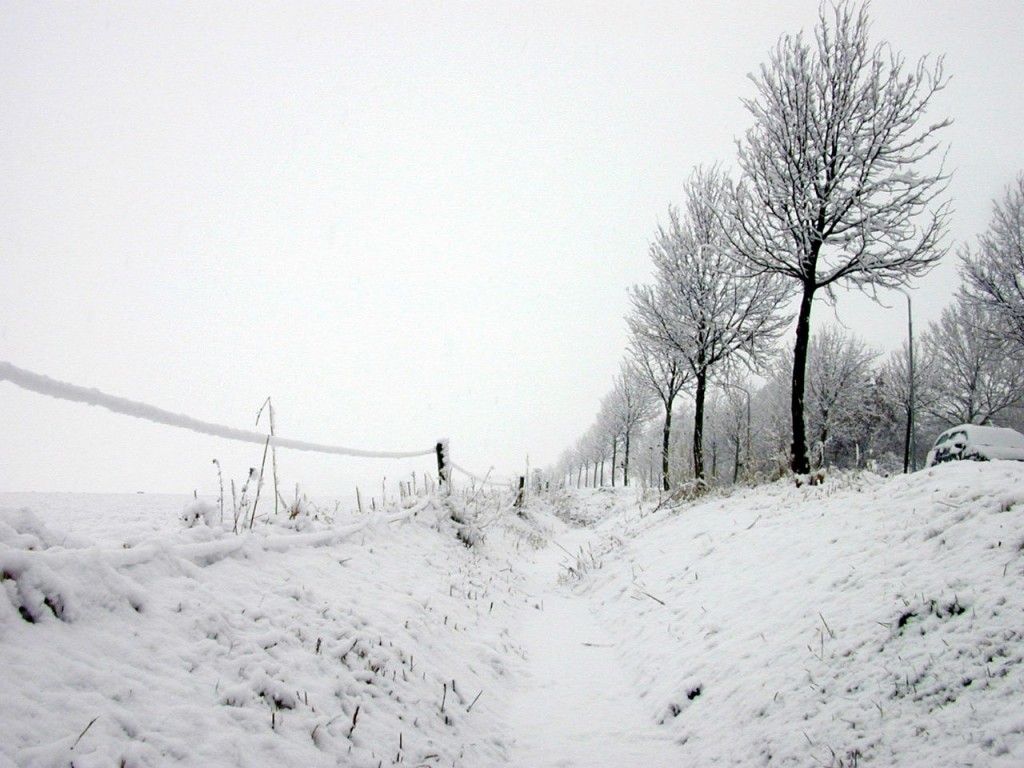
(34, 593)
(302, 511)
(42, 581)
(302, 514)
(812, 478)
(200, 511)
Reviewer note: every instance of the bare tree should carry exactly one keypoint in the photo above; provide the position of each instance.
(699, 306)
(665, 374)
(629, 406)
(592, 453)
(737, 421)
(910, 402)
(839, 382)
(610, 427)
(599, 450)
(582, 453)
(831, 192)
(994, 274)
(975, 377)
(772, 416)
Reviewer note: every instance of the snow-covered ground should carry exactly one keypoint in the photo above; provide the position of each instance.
(860, 622)
(865, 621)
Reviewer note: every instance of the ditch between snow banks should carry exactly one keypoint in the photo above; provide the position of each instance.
(128, 637)
(574, 704)
(862, 622)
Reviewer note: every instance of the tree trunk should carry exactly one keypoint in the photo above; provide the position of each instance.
(615, 457)
(666, 434)
(698, 424)
(824, 442)
(625, 466)
(799, 462)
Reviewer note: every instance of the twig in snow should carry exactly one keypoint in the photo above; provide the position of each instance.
(355, 717)
(651, 596)
(84, 731)
(273, 449)
(570, 554)
(259, 484)
(475, 700)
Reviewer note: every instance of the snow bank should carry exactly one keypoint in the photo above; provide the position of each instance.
(861, 622)
(376, 640)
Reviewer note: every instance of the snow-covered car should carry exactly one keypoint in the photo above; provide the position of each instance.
(977, 443)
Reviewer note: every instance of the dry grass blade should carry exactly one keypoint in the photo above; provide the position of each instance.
(84, 730)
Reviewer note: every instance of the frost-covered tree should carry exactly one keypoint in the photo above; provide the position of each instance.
(771, 417)
(600, 451)
(592, 451)
(834, 188)
(894, 379)
(625, 409)
(975, 377)
(839, 388)
(699, 307)
(874, 432)
(584, 452)
(994, 273)
(610, 428)
(665, 373)
(736, 421)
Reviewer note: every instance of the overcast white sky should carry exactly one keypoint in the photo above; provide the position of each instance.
(400, 220)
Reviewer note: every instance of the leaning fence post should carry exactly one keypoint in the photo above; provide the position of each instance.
(521, 494)
(444, 470)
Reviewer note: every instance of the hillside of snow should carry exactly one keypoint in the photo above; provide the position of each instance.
(860, 622)
(865, 621)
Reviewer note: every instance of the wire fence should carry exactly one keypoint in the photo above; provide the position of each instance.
(485, 480)
(62, 390)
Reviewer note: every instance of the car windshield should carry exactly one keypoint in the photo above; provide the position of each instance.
(950, 437)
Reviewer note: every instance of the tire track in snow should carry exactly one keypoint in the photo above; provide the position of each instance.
(575, 706)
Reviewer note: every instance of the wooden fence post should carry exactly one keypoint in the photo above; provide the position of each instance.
(521, 495)
(444, 470)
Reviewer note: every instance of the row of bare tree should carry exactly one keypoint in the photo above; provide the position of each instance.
(841, 184)
(857, 407)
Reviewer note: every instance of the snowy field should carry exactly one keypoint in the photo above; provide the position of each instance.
(865, 621)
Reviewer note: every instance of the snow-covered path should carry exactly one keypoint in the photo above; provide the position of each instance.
(574, 706)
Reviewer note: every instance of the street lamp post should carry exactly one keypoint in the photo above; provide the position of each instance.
(909, 446)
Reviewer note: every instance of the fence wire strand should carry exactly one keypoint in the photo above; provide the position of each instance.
(488, 480)
(44, 385)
